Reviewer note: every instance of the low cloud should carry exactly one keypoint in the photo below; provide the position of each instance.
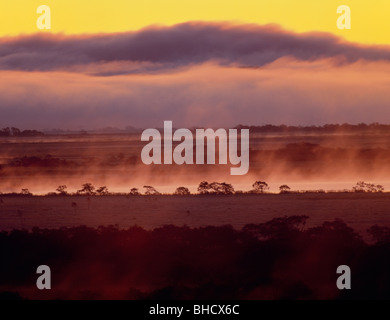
(156, 49)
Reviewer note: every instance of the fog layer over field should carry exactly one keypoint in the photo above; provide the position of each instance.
(301, 160)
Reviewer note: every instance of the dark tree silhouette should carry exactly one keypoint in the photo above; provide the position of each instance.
(15, 132)
(362, 186)
(284, 188)
(379, 188)
(87, 189)
(5, 132)
(151, 191)
(222, 188)
(102, 191)
(62, 190)
(8, 132)
(182, 191)
(215, 188)
(260, 187)
(134, 192)
(25, 192)
(203, 187)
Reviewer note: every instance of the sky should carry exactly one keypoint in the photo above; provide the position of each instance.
(370, 23)
(198, 63)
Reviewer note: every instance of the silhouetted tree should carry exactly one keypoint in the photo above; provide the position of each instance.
(203, 187)
(151, 191)
(379, 188)
(182, 191)
(284, 188)
(5, 132)
(15, 132)
(102, 191)
(134, 192)
(62, 190)
(260, 187)
(87, 189)
(215, 188)
(222, 188)
(26, 192)
(362, 186)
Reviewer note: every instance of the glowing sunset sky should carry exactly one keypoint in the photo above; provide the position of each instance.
(198, 63)
(370, 19)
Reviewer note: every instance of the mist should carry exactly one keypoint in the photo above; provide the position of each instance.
(303, 161)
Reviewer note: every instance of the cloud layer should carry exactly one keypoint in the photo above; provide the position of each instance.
(157, 48)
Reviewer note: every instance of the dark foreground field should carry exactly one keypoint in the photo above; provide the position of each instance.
(358, 210)
(246, 246)
(279, 259)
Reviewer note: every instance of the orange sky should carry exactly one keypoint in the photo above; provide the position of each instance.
(370, 22)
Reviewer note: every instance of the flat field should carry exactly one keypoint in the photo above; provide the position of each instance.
(359, 210)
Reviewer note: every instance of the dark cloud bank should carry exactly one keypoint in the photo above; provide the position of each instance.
(183, 44)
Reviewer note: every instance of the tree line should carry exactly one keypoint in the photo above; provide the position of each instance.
(204, 188)
(327, 128)
(15, 132)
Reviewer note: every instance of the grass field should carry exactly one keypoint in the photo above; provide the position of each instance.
(358, 210)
